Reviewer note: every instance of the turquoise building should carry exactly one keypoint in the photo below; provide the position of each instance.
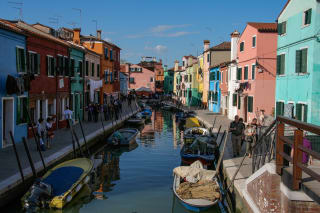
(168, 80)
(298, 61)
(77, 54)
(214, 98)
(14, 102)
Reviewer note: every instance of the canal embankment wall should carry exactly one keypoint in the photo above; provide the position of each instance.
(11, 184)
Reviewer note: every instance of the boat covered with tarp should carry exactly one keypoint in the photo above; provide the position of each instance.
(196, 188)
(204, 149)
(136, 119)
(192, 133)
(192, 122)
(59, 185)
(123, 137)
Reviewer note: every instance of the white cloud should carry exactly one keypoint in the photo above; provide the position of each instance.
(178, 34)
(158, 48)
(163, 28)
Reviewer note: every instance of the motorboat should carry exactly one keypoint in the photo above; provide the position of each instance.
(123, 137)
(193, 132)
(136, 119)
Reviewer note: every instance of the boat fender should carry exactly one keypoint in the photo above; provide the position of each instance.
(86, 180)
(69, 198)
(78, 187)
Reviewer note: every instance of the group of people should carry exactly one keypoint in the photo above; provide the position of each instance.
(241, 133)
(45, 132)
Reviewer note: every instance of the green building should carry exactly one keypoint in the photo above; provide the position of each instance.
(168, 80)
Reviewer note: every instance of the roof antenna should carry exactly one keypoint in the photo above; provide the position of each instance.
(18, 6)
(96, 24)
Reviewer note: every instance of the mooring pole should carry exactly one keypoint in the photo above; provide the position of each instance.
(72, 139)
(29, 156)
(84, 138)
(17, 156)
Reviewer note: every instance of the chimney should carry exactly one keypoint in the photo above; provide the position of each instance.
(99, 34)
(76, 35)
(235, 36)
(176, 65)
(206, 45)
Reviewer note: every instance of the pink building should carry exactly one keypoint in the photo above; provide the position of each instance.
(140, 79)
(256, 72)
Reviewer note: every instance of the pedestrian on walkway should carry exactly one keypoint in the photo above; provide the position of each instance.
(49, 130)
(41, 132)
(251, 136)
(68, 116)
(236, 130)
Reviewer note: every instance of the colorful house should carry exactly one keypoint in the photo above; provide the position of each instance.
(298, 61)
(168, 80)
(214, 99)
(199, 77)
(224, 105)
(48, 58)
(206, 72)
(13, 67)
(256, 71)
(124, 81)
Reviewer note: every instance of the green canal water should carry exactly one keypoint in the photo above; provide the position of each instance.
(137, 180)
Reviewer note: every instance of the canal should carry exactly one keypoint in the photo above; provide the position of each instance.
(136, 180)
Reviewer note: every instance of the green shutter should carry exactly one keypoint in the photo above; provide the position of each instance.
(299, 112)
(304, 58)
(23, 61)
(278, 64)
(298, 61)
(54, 66)
(277, 108)
(284, 28)
(308, 15)
(250, 104)
(282, 64)
(246, 70)
(253, 72)
(280, 28)
(239, 102)
(305, 113)
(234, 100)
(254, 41)
(17, 59)
(18, 111)
(38, 63)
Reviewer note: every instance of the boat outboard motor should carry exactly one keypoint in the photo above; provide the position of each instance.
(40, 192)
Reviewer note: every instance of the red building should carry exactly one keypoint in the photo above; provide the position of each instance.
(152, 64)
(47, 60)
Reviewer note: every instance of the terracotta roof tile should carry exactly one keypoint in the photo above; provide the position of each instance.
(224, 46)
(264, 27)
(4, 24)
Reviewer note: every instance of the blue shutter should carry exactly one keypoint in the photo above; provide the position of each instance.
(106, 77)
(111, 80)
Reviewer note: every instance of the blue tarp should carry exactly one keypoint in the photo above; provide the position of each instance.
(63, 178)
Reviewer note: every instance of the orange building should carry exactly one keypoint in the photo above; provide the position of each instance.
(110, 64)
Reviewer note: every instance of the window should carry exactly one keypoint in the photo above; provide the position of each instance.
(151, 79)
(111, 77)
(241, 46)
(212, 76)
(301, 112)
(253, 71)
(60, 68)
(21, 60)
(72, 67)
(281, 64)
(301, 61)
(254, 41)
(183, 63)
(239, 74)
(246, 70)
(106, 51)
(131, 80)
(66, 66)
(92, 69)
(80, 68)
(87, 68)
(51, 66)
(98, 70)
(22, 105)
(282, 28)
(307, 17)
(111, 58)
(33, 62)
(218, 75)
(106, 76)
(190, 78)
(279, 108)
(250, 104)
(208, 57)
(239, 102)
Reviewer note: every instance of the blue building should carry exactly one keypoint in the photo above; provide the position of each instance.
(123, 83)
(214, 97)
(13, 99)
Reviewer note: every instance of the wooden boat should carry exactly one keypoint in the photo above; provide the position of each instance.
(193, 132)
(201, 149)
(146, 113)
(198, 204)
(123, 137)
(59, 185)
(136, 119)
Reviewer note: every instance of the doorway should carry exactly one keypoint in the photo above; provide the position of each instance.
(7, 121)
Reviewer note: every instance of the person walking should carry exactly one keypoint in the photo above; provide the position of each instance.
(41, 132)
(68, 116)
(251, 136)
(49, 130)
(236, 130)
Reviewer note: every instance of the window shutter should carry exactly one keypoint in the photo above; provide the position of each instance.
(304, 56)
(253, 72)
(282, 64)
(47, 65)
(284, 28)
(54, 66)
(38, 63)
(23, 61)
(299, 112)
(278, 64)
(234, 100)
(29, 65)
(245, 73)
(280, 28)
(111, 77)
(239, 102)
(17, 59)
(298, 61)
(18, 110)
(309, 16)
(305, 113)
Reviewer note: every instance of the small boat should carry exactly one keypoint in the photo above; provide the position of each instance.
(192, 122)
(188, 178)
(201, 149)
(146, 113)
(59, 185)
(193, 132)
(136, 119)
(123, 137)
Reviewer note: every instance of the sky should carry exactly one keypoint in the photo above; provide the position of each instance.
(166, 29)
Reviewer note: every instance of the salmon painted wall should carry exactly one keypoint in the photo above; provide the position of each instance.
(262, 87)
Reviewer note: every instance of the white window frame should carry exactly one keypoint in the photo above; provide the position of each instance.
(306, 73)
(283, 53)
(304, 18)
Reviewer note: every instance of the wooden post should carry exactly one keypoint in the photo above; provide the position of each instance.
(297, 158)
(29, 157)
(17, 156)
(279, 147)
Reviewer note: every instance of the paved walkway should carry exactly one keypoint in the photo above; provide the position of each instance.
(61, 146)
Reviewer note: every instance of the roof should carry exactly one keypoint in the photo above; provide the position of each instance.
(224, 46)
(4, 24)
(34, 31)
(285, 6)
(94, 38)
(91, 51)
(190, 56)
(264, 27)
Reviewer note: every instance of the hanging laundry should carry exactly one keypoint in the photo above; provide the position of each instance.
(20, 86)
(11, 85)
(93, 86)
